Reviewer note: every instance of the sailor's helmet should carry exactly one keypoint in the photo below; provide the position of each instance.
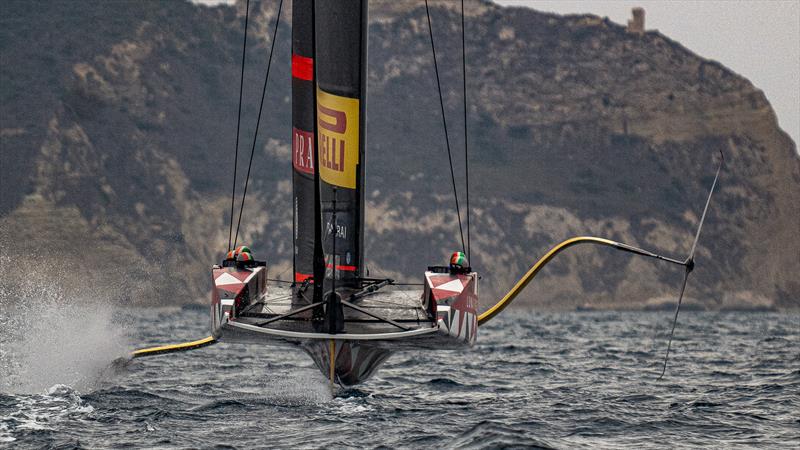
(243, 249)
(231, 256)
(244, 257)
(458, 260)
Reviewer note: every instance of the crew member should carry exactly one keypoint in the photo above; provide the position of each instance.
(458, 263)
(245, 259)
(230, 259)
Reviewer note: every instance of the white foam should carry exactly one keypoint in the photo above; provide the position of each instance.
(5, 433)
(49, 340)
(306, 387)
(43, 411)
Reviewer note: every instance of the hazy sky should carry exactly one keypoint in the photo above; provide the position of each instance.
(759, 40)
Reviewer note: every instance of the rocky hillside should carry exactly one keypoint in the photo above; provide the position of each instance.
(117, 125)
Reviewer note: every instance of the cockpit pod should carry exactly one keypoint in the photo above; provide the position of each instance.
(451, 296)
(238, 283)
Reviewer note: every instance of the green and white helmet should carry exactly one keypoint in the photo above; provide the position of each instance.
(458, 260)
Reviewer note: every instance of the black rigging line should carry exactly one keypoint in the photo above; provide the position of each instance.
(238, 122)
(258, 120)
(466, 147)
(690, 262)
(444, 122)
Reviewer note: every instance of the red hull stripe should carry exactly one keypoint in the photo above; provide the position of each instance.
(345, 268)
(299, 277)
(302, 67)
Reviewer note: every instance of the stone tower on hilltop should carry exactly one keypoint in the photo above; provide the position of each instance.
(636, 24)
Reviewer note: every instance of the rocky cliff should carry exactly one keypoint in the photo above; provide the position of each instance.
(117, 125)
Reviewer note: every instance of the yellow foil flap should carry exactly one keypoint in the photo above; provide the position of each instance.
(337, 129)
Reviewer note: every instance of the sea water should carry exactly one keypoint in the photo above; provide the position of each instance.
(561, 380)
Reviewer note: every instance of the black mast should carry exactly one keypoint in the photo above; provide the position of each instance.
(305, 199)
(340, 56)
(362, 138)
(319, 254)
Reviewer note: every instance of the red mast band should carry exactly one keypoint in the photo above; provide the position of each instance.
(302, 67)
(345, 268)
(300, 277)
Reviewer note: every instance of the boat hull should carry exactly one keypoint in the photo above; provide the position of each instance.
(440, 317)
(346, 363)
